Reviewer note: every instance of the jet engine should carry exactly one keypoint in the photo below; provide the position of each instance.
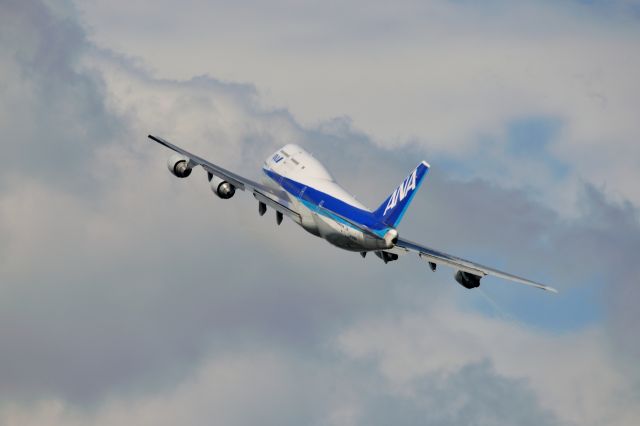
(179, 166)
(222, 188)
(468, 280)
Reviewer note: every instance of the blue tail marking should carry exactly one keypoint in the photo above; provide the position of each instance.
(393, 208)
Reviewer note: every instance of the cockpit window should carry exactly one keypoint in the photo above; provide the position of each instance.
(285, 153)
(294, 161)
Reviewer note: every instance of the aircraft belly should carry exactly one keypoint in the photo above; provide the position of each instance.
(344, 236)
(307, 219)
(339, 234)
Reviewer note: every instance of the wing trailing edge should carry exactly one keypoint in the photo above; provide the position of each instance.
(437, 257)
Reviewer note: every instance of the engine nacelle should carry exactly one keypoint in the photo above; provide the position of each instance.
(222, 188)
(179, 166)
(468, 280)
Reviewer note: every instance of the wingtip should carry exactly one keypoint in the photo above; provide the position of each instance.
(550, 289)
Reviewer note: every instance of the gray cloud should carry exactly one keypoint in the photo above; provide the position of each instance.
(53, 116)
(473, 395)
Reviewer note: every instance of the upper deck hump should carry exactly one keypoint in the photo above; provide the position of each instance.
(293, 162)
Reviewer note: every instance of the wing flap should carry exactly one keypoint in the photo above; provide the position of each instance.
(280, 205)
(452, 264)
(438, 257)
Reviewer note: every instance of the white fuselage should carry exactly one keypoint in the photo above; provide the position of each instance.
(297, 172)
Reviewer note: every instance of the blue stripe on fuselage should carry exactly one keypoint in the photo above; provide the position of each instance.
(326, 204)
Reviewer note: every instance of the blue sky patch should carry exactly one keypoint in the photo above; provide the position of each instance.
(572, 309)
(531, 138)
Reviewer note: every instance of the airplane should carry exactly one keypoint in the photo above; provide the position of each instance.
(297, 185)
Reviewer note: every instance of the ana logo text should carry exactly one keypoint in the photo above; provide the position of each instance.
(402, 191)
(277, 158)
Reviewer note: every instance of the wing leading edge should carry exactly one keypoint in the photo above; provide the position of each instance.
(277, 200)
(438, 257)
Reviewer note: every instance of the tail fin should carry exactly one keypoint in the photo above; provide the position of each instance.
(393, 208)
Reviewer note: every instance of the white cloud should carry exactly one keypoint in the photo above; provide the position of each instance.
(237, 389)
(443, 74)
(444, 366)
(572, 375)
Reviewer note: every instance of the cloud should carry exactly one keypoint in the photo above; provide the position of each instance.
(446, 342)
(53, 116)
(128, 296)
(275, 388)
(472, 395)
(447, 75)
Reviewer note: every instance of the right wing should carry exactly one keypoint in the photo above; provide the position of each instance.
(438, 257)
(277, 200)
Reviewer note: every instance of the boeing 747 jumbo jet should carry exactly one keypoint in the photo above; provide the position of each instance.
(298, 186)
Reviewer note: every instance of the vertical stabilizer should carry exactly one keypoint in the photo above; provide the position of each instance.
(393, 208)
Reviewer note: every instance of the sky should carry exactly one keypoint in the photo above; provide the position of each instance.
(130, 297)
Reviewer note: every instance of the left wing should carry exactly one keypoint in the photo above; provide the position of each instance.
(278, 200)
(476, 270)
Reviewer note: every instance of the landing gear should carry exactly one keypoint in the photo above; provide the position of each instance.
(386, 256)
